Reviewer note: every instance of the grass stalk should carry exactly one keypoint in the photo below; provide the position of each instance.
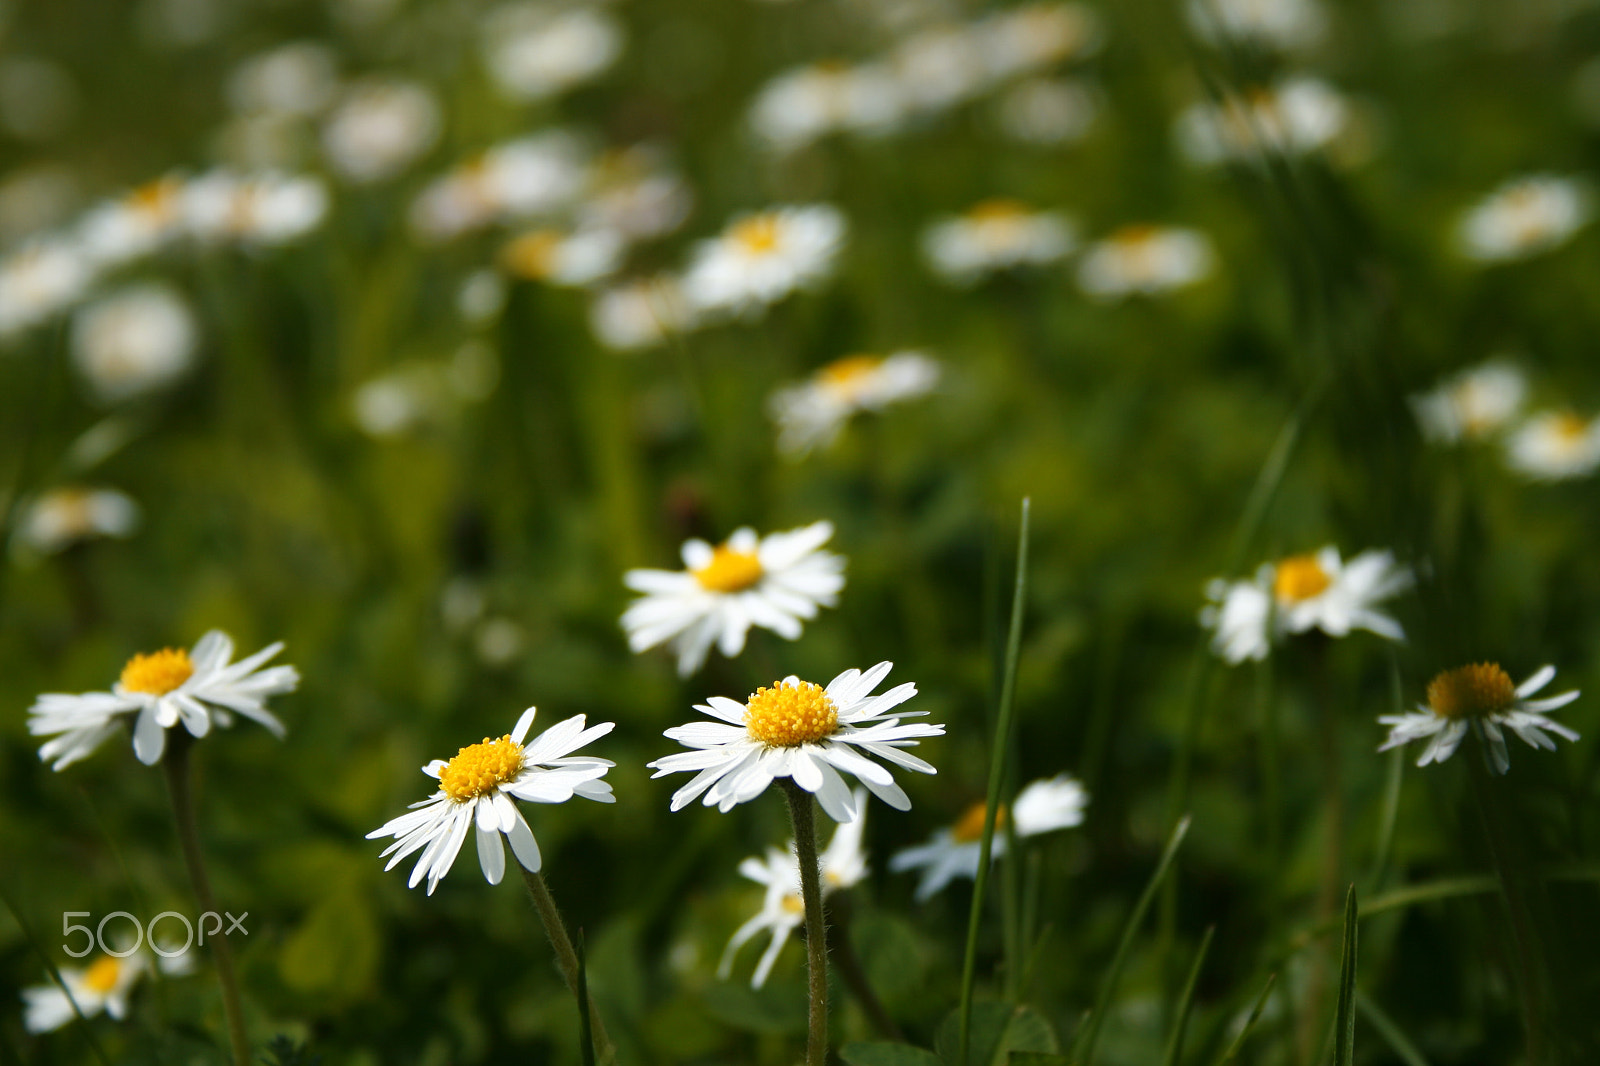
(82, 1023)
(1174, 1052)
(1345, 1013)
(1250, 1022)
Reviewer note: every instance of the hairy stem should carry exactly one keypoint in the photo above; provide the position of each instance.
(803, 816)
(566, 956)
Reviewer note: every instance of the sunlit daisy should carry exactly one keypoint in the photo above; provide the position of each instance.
(1300, 593)
(995, 235)
(380, 128)
(65, 516)
(1472, 404)
(810, 414)
(1524, 217)
(534, 51)
(1555, 445)
(477, 787)
(560, 258)
(134, 341)
(1042, 807)
(1293, 117)
(1145, 260)
(761, 258)
(200, 689)
(800, 730)
(1481, 697)
(843, 864)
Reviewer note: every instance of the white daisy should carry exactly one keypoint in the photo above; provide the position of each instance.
(527, 177)
(1555, 445)
(843, 864)
(132, 227)
(1300, 593)
(1281, 24)
(761, 258)
(559, 258)
(1047, 111)
(135, 341)
(1044, 806)
(995, 235)
(264, 208)
(1145, 260)
(1481, 697)
(296, 80)
(63, 517)
(798, 729)
(41, 278)
(380, 128)
(199, 688)
(810, 102)
(1524, 217)
(1471, 404)
(534, 52)
(477, 787)
(633, 192)
(810, 414)
(1293, 117)
(939, 67)
(773, 582)
(640, 313)
(104, 985)
(1020, 40)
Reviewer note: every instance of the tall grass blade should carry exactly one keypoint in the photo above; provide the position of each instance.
(585, 1030)
(1181, 1022)
(55, 975)
(1344, 1052)
(1398, 1042)
(1250, 1022)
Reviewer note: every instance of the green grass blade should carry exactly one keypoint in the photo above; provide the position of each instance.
(1089, 1032)
(997, 758)
(1398, 1042)
(1344, 1053)
(55, 975)
(585, 1030)
(1250, 1022)
(1175, 1041)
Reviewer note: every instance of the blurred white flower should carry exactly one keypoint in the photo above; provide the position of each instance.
(940, 67)
(39, 280)
(1027, 38)
(1042, 807)
(104, 985)
(811, 413)
(481, 297)
(1144, 260)
(640, 314)
(1472, 404)
(842, 865)
(1277, 24)
(995, 235)
(63, 517)
(811, 102)
(298, 79)
(1554, 446)
(476, 788)
(134, 226)
(1525, 216)
(380, 128)
(632, 193)
(266, 208)
(1297, 115)
(199, 689)
(799, 730)
(534, 51)
(137, 340)
(1480, 697)
(761, 258)
(1047, 111)
(1300, 593)
(557, 258)
(524, 178)
(773, 582)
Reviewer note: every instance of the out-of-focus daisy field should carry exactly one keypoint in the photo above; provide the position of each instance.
(373, 372)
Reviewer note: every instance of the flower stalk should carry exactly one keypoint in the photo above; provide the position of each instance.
(803, 816)
(566, 957)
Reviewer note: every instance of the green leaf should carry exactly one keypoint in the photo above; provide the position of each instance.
(333, 955)
(1175, 1042)
(1345, 1015)
(779, 1008)
(997, 1029)
(886, 1053)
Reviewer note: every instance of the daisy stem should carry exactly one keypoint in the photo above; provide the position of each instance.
(176, 764)
(566, 956)
(802, 814)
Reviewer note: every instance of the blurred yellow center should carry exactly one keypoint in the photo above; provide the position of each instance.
(998, 210)
(1135, 236)
(757, 234)
(786, 716)
(479, 768)
(1570, 428)
(1299, 578)
(1482, 688)
(102, 974)
(157, 673)
(846, 375)
(793, 904)
(970, 825)
(729, 570)
(532, 255)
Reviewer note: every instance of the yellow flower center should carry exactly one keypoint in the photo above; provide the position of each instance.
(480, 768)
(1299, 578)
(787, 716)
(532, 255)
(757, 234)
(1482, 688)
(1570, 428)
(998, 210)
(793, 904)
(102, 974)
(157, 673)
(729, 570)
(969, 826)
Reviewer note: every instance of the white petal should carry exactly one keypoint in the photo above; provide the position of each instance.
(491, 854)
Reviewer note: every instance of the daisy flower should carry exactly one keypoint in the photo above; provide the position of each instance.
(811, 414)
(135, 341)
(1524, 217)
(63, 517)
(139, 223)
(1293, 117)
(808, 103)
(199, 688)
(571, 259)
(380, 128)
(640, 313)
(1145, 260)
(533, 52)
(1554, 446)
(761, 258)
(1044, 806)
(995, 235)
(800, 730)
(773, 582)
(843, 864)
(1471, 404)
(1280, 24)
(1300, 593)
(1482, 697)
(477, 787)
(43, 277)
(102, 986)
